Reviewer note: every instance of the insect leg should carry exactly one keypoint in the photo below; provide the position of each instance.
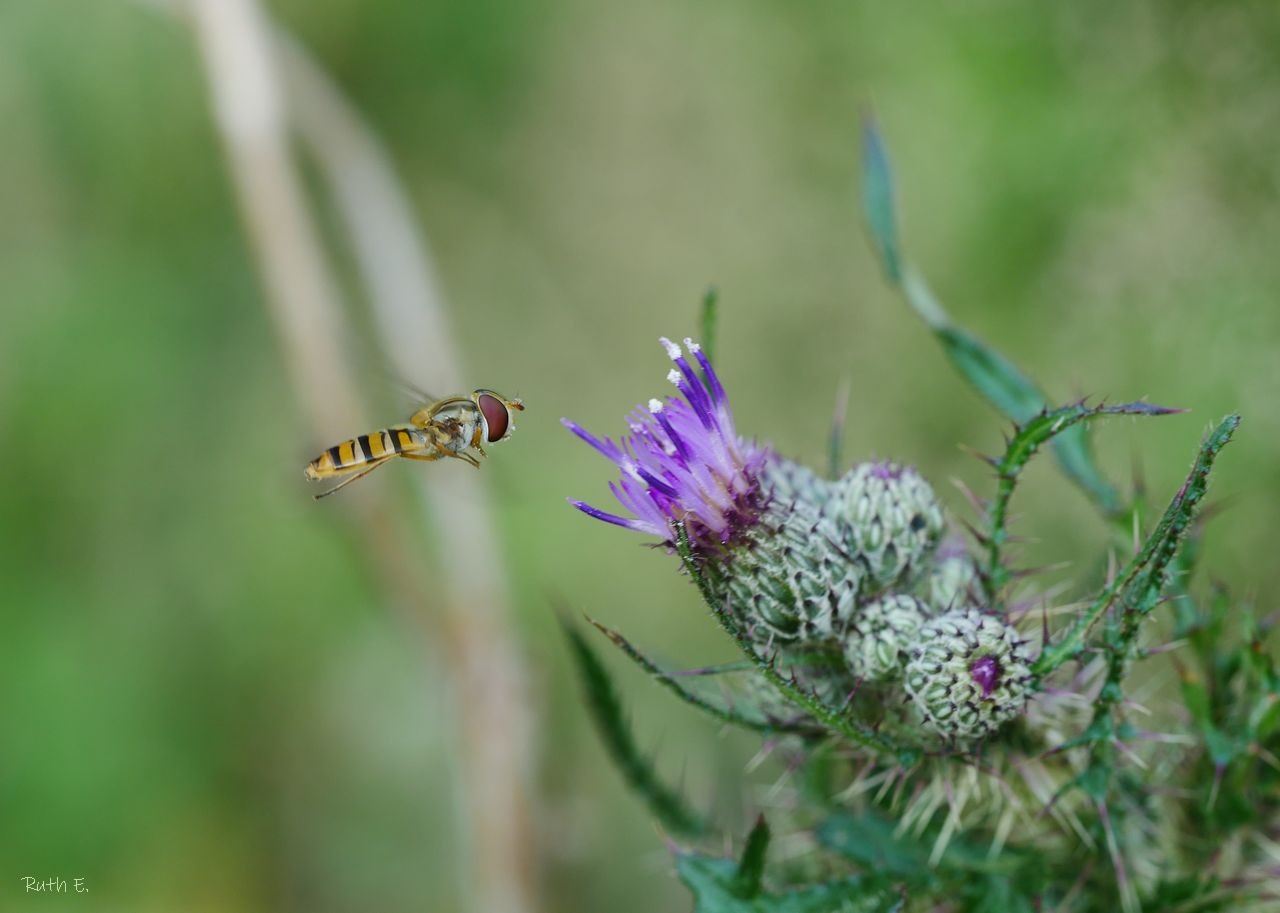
(424, 457)
(347, 481)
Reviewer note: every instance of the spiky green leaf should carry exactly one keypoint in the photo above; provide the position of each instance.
(1029, 436)
(1147, 568)
(667, 805)
(993, 375)
(740, 714)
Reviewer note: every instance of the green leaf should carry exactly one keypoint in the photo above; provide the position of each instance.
(712, 882)
(758, 723)
(870, 840)
(993, 375)
(667, 805)
(1028, 438)
(750, 874)
(1002, 895)
(1147, 569)
(877, 198)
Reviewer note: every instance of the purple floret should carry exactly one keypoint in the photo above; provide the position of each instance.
(683, 461)
(986, 672)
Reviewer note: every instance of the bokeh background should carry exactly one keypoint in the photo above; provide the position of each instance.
(205, 703)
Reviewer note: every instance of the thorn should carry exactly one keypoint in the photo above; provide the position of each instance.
(1112, 569)
(993, 462)
(1219, 771)
(979, 506)
(1164, 648)
(1139, 477)
(1022, 573)
(1130, 754)
(1021, 540)
(981, 538)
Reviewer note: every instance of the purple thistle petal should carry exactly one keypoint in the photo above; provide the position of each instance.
(986, 673)
(683, 461)
(713, 382)
(660, 484)
(608, 517)
(676, 439)
(606, 447)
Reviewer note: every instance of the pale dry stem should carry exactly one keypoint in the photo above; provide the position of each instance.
(241, 52)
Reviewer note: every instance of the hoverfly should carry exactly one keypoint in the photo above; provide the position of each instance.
(451, 427)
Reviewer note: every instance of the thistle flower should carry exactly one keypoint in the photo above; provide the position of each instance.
(881, 633)
(968, 674)
(894, 520)
(756, 517)
(684, 461)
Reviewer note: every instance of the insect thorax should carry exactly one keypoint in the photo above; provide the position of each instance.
(461, 418)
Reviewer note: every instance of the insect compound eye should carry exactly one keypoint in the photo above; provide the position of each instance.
(496, 415)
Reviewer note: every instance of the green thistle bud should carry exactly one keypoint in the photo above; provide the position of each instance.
(882, 633)
(968, 674)
(786, 482)
(893, 518)
(953, 582)
(793, 580)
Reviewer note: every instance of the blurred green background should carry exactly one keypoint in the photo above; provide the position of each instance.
(205, 702)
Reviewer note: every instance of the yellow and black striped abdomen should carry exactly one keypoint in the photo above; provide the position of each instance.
(365, 449)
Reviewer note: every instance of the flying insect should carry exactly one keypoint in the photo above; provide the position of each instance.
(456, 427)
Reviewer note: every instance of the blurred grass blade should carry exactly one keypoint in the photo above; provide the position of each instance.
(993, 375)
(606, 710)
(710, 304)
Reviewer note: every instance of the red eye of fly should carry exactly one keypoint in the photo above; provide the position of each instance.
(495, 413)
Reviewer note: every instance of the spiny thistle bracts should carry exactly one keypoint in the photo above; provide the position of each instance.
(893, 518)
(968, 674)
(881, 634)
(953, 581)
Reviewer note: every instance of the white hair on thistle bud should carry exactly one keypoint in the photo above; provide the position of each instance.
(655, 406)
(673, 350)
(674, 377)
(691, 345)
